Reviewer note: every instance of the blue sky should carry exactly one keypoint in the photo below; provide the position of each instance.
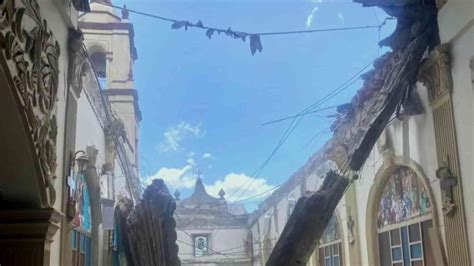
(203, 101)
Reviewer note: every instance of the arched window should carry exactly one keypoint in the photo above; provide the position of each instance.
(99, 61)
(330, 245)
(100, 67)
(404, 220)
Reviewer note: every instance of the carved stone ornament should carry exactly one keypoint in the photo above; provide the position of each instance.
(435, 73)
(447, 181)
(350, 226)
(32, 55)
(385, 147)
(78, 63)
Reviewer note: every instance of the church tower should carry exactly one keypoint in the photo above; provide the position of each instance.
(109, 39)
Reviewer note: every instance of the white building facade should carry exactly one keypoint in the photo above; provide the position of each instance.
(411, 203)
(70, 155)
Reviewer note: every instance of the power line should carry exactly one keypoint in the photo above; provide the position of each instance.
(294, 116)
(201, 26)
(258, 195)
(300, 115)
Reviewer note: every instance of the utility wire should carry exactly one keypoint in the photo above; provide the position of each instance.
(258, 195)
(300, 115)
(294, 116)
(199, 25)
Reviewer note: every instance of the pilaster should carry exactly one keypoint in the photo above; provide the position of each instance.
(435, 73)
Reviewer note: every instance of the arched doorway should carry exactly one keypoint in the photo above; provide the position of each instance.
(404, 220)
(330, 245)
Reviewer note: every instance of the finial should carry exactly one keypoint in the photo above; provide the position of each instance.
(176, 195)
(125, 13)
(221, 193)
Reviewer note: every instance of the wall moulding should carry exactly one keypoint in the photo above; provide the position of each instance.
(32, 53)
(435, 74)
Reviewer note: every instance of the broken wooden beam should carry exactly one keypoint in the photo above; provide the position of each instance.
(149, 235)
(307, 223)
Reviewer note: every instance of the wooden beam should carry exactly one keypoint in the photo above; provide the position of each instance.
(307, 223)
(148, 235)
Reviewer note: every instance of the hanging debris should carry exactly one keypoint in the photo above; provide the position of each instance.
(388, 87)
(147, 232)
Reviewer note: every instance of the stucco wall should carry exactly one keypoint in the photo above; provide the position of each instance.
(89, 130)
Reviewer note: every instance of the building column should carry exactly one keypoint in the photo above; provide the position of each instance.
(435, 74)
(26, 236)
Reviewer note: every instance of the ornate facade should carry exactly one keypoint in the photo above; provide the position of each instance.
(408, 203)
(211, 231)
(57, 183)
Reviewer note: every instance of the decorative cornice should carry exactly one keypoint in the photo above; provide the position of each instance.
(126, 92)
(114, 26)
(78, 61)
(435, 73)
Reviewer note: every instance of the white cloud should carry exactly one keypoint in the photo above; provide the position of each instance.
(191, 162)
(310, 18)
(340, 17)
(235, 181)
(207, 156)
(173, 136)
(175, 178)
